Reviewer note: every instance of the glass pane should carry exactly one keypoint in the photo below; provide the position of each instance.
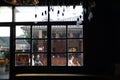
(58, 59)
(75, 59)
(39, 59)
(6, 14)
(75, 45)
(22, 59)
(4, 52)
(31, 14)
(58, 45)
(58, 31)
(75, 31)
(66, 13)
(39, 45)
(39, 31)
(22, 45)
(23, 31)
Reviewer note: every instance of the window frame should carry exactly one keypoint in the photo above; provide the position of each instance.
(12, 47)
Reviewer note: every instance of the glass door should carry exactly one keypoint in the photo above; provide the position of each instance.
(4, 52)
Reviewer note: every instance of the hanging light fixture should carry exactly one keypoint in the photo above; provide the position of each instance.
(36, 15)
(42, 14)
(22, 2)
(45, 12)
(58, 12)
(74, 6)
(63, 9)
(62, 14)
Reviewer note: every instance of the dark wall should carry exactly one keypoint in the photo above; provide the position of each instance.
(101, 55)
(116, 25)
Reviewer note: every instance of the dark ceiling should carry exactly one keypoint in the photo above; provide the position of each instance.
(52, 2)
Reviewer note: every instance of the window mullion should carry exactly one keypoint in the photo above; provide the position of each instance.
(48, 38)
(31, 46)
(66, 45)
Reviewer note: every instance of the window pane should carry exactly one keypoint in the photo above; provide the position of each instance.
(6, 14)
(39, 31)
(23, 45)
(58, 45)
(75, 59)
(23, 31)
(75, 45)
(66, 13)
(58, 31)
(39, 45)
(39, 59)
(58, 59)
(75, 31)
(4, 52)
(22, 59)
(31, 14)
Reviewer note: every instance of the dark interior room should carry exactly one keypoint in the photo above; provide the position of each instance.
(52, 39)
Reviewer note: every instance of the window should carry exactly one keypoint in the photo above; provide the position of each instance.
(45, 38)
(39, 44)
(31, 14)
(66, 13)
(66, 40)
(5, 14)
(51, 37)
(4, 52)
(31, 41)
